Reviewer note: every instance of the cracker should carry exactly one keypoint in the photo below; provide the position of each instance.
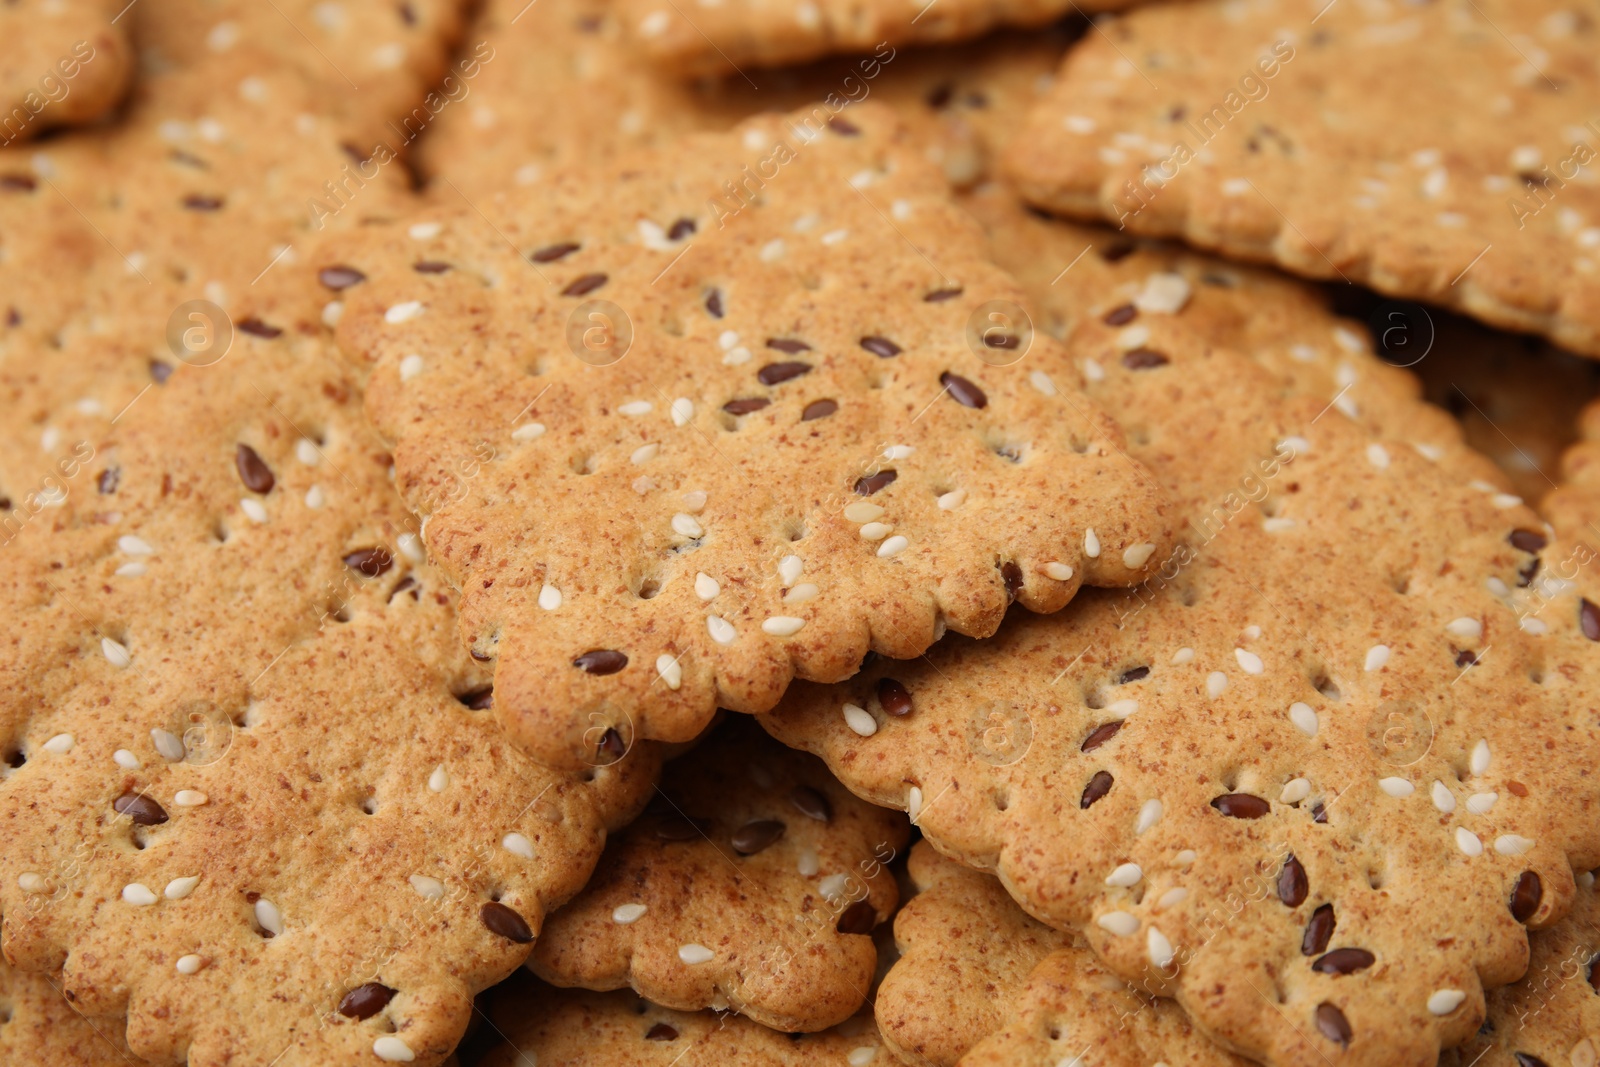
(575, 1028)
(626, 572)
(1573, 506)
(62, 63)
(1252, 706)
(754, 882)
(40, 1027)
(1273, 132)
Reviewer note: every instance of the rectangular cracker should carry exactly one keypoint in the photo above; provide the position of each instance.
(1443, 152)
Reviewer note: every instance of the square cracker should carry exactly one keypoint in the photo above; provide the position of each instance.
(1442, 152)
(648, 529)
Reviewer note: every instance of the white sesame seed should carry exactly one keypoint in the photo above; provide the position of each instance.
(60, 744)
(254, 509)
(528, 431)
(138, 895)
(1378, 456)
(1041, 381)
(833, 237)
(952, 500)
(1295, 790)
(30, 882)
(1248, 661)
(115, 652)
(189, 964)
(269, 917)
(1465, 627)
(131, 570)
(1059, 571)
(1216, 684)
(168, 744)
(410, 367)
(1158, 947)
(1534, 626)
(1132, 337)
(626, 914)
(1512, 844)
(1398, 788)
(1118, 923)
(1091, 543)
(892, 547)
(1443, 799)
(1429, 452)
(439, 779)
(1121, 709)
(332, 312)
(1126, 874)
(427, 888)
(682, 411)
(833, 886)
(1183, 655)
(860, 1057)
(223, 36)
(1164, 293)
(1445, 1001)
(862, 178)
(1296, 444)
(189, 798)
(705, 586)
(654, 24)
(315, 497)
(671, 672)
(801, 593)
(1480, 803)
(773, 250)
(644, 454)
(1468, 842)
(392, 1049)
(736, 356)
(635, 407)
(126, 760)
(1496, 586)
(134, 546)
(913, 803)
(1526, 157)
(1304, 718)
(1079, 124)
(1377, 656)
(1135, 557)
(695, 501)
(790, 568)
(686, 525)
(900, 209)
(693, 954)
(517, 845)
(863, 511)
(782, 625)
(860, 720)
(403, 312)
(876, 531)
(808, 864)
(898, 452)
(1093, 371)
(1252, 632)
(1479, 761)
(1184, 858)
(1173, 897)
(179, 888)
(549, 597)
(721, 631)
(1236, 187)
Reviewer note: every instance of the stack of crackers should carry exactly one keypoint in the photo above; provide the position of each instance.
(985, 532)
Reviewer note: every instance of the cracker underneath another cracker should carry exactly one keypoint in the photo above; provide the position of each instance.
(754, 880)
(62, 63)
(806, 454)
(1440, 152)
(39, 1026)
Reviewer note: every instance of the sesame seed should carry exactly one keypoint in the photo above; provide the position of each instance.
(1468, 842)
(179, 888)
(1133, 337)
(900, 209)
(635, 407)
(138, 895)
(876, 531)
(517, 845)
(1443, 799)
(1304, 718)
(685, 524)
(1183, 655)
(1135, 557)
(126, 760)
(1398, 788)
(253, 508)
(898, 452)
(60, 744)
(1466, 627)
(705, 586)
(1512, 844)
(403, 312)
(1091, 543)
(892, 547)
(131, 570)
(1126, 875)
(682, 410)
(189, 964)
(424, 231)
(624, 914)
(1296, 444)
(1041, 381)
(1158, 947)
(801, 593)
(1430, 452)
(693, 954)
(1121, 709)
(549, 597)
(189, 798)
(134, 546)
(1172, 897)
(1480, 803)
(269, 917)
(782, 625)
(1216, 684)
(694, 501)
(860, 1057)
(860, 720)
(315, 497)
(1479, 761)
(168, 744)
(1249, 661)
(790, 568)
(115, 652)
(1505, 500)
(332, 312)
(1149, 815)
(428, 888)
(1163, 293)
(913, 803)
(1079, 124)
(1496, 586)
(392, 1049)
(773, 250)
(670, 671)
(1118, 923)
(1295, 790)
(833, 237)
(410, 367)
(1534, 626)
(1377, 656)
(1445, 1001)
(528, 431)
(833, 886)
(439, 779)
(952, 500)
(644, 454)
(808, 864)
(721, 631)
(29, 882)
(1252, 632)
(1184, 858)
(410, 546)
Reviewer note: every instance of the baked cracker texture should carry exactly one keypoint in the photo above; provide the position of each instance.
(62, 63)
(1271, 131)
(754, 881)
(716, 443)
(1245, 782)
(38, 1026)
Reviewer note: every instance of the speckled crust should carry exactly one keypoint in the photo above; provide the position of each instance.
(38, 1026)
(732, 39)
(1344, 589)
(1551, 1016)
(578, 505)
(1384, 144)
(1573, 507)
(62, 63)
(776, 914)
(966, 951)
(574, 1028)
